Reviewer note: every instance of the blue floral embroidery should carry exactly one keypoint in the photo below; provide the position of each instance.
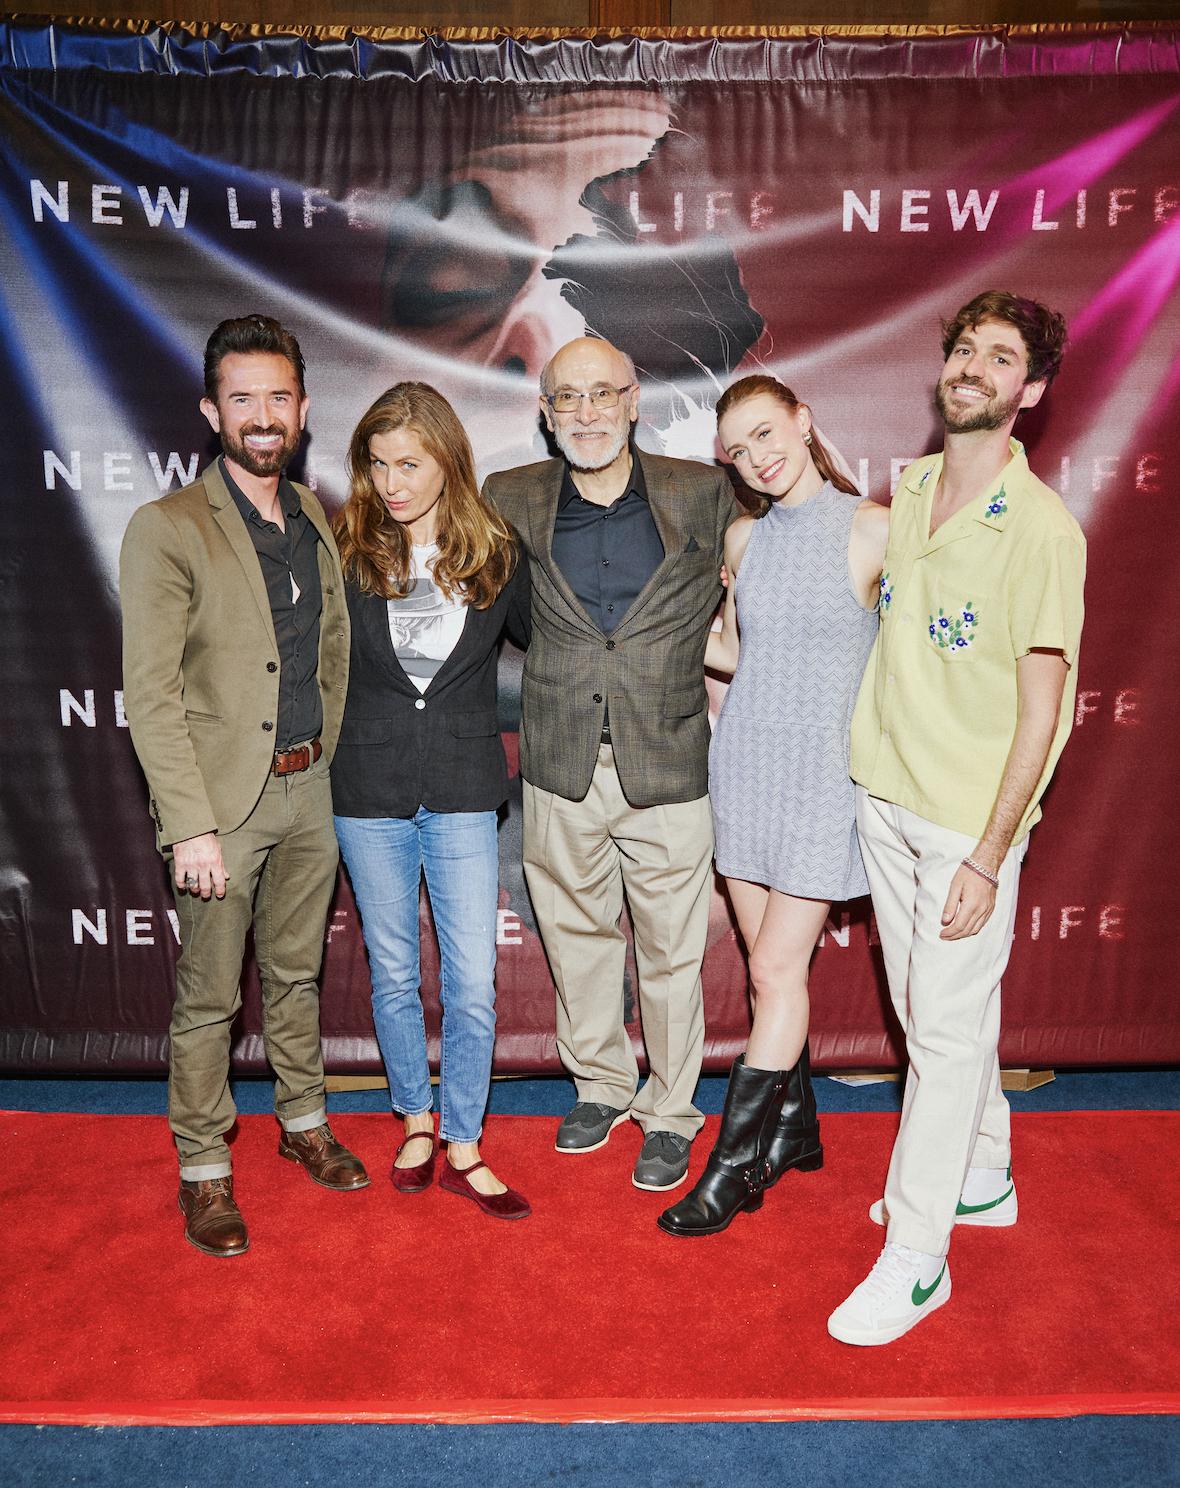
(956, 631)
(998, 505)
(886, 593)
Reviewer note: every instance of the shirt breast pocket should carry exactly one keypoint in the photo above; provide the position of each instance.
(962, 622)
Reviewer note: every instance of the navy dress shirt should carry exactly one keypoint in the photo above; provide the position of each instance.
(607, 553)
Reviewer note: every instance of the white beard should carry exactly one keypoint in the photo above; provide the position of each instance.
(568, 446)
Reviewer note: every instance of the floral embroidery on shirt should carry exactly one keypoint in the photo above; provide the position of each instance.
(925, 478)
(886, 593)
(998, 505)
(956, 631)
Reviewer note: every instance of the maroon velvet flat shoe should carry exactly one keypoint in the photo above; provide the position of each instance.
(506, 1205)
(418, 1178)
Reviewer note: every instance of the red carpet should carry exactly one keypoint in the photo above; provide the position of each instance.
(379, 1307)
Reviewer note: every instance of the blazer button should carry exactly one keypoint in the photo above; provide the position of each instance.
(421, 703)
(610, 645)
(598, 697)
(267, 726)
(272, 666)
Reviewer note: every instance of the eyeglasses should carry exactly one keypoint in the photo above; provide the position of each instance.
(566, 400)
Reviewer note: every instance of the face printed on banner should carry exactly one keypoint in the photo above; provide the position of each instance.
(765, 441)
(259, 413)
(464, 269)
(408, 479)
(589, 436)
(983, 387)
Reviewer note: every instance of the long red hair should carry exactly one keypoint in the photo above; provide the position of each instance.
(761, 382)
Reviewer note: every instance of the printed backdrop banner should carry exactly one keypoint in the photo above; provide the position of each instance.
(453, 211)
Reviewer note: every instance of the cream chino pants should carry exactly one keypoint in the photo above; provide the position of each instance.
(579, 857)
(946, 994)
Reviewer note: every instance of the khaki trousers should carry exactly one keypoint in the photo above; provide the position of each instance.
(282, 871)
(579, 857)
(946, 994)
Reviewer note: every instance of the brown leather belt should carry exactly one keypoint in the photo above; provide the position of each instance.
(292, 761)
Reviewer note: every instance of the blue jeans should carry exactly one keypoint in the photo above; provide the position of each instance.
(385, 858)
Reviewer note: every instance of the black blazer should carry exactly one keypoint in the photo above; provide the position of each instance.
(400, 748)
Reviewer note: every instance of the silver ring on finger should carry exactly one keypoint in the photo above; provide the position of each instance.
(191, 880)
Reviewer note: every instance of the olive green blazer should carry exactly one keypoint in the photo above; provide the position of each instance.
(200, 659)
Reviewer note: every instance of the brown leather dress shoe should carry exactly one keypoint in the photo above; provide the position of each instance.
(326, 1160)
(213, 1222)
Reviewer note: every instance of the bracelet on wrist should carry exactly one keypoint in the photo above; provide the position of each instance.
(992, 878)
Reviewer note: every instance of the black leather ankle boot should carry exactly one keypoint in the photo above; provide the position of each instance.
(795, 1141)
(737, 1170)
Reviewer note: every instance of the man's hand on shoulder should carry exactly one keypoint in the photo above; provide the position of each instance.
(197, 866)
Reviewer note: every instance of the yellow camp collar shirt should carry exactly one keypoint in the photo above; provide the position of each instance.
(936, 713)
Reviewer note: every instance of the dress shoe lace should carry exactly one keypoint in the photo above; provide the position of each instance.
(893, 1270)
(663, 1146)
(211, 1188)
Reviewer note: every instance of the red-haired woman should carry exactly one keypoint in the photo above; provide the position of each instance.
(804, 581)
(433, 578)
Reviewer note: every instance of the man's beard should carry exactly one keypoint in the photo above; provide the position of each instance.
(261, 462)
(568, 446)
(981, 419)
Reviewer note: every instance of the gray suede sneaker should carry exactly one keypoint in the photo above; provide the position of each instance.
(588, 1126)
(663, 1162)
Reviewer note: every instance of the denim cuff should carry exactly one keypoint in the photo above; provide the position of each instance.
(447, 1137)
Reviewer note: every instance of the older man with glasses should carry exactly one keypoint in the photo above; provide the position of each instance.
(625, 550)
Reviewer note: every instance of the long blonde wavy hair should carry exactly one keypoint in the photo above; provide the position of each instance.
(476, 549)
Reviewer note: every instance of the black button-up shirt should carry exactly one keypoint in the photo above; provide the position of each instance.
(290, 569)
(607, 553)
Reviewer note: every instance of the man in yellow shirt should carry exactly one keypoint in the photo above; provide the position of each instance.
(964, 710)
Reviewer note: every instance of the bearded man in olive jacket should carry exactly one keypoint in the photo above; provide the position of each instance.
(235, 660)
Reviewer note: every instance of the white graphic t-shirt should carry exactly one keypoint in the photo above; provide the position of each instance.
(425, 626)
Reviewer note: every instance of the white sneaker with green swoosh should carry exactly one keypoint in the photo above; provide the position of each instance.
(903, 1287)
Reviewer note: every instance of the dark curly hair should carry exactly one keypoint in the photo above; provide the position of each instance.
(1042, 330)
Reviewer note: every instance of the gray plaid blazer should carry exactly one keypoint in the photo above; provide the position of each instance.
(650, 670)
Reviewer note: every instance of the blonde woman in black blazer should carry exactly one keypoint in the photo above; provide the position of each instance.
(433, 579)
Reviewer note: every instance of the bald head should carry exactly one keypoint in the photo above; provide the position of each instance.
(588, 355)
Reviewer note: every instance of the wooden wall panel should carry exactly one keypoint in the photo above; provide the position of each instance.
(583, 14)
(914, 12)
(571, 14)
(631, 13)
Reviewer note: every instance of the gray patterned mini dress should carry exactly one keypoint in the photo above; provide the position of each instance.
(783, 807)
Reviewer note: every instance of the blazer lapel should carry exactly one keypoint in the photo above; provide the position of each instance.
(473, 623)
(229, 519)
(374, 623)
(667, 509)
(542, 510)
